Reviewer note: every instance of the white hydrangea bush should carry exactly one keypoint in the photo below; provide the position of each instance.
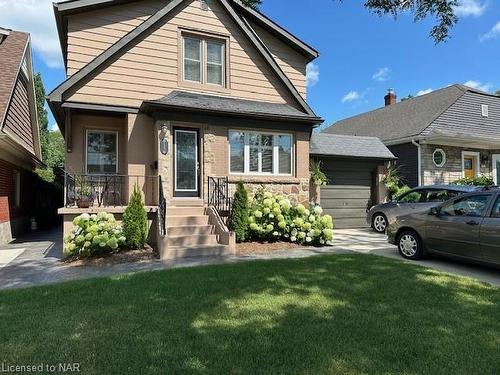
(94, 234)
(276, 218)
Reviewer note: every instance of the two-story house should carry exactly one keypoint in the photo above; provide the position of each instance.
(184, 98)
(20, 151)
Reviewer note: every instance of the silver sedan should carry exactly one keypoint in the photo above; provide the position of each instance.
(417, 200)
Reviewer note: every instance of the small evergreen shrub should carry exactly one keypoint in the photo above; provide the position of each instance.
(94, 235)
(238, 219)
(276, 218)
(135, 221)
(475, 181)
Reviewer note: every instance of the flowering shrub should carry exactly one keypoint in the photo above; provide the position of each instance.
(94, 234)
(274, 218)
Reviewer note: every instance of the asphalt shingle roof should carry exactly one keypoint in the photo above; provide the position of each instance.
(349, 146)
(219, 104)
(402, 120)
(12, 50)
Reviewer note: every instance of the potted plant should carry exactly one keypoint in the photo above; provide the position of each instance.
(84, 194)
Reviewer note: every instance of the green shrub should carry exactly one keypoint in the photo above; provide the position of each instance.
(475, 181)
(275, 218)
(318, 177)
(402, 191)
(46, 174)
(135, 221)
(238, 219)
(94, 234)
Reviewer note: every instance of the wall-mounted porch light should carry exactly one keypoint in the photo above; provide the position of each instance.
(164, 139)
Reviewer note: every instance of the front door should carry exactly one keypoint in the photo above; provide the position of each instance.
(496, 169)
(186, 163)
(470, 163)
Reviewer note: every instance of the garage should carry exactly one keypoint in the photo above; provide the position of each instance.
(354, 167)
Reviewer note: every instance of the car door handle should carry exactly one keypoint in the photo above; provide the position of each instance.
(472, 223)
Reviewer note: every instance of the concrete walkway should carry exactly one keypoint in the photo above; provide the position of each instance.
(35, 260)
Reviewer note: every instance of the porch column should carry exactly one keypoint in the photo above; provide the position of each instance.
(164, 131)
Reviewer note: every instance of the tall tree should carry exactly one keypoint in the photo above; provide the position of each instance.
(497, 93)
(442, 10)
(43, 121)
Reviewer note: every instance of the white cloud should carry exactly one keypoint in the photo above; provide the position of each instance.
(479, 86)
(492, 34)
(312, 74)
(423, 92)
(37, 18)
(351, 97)
(382, 74)
(474, 8)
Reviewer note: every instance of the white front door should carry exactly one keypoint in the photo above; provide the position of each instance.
(496, 168)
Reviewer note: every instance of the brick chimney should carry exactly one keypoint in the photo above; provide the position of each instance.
(390, 98)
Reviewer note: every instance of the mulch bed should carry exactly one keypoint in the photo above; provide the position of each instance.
(121, 257)
(265, 247)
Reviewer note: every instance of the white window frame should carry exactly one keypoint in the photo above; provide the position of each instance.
(444, 157)
(87, 132)
(478, 161)
(275, 146)
(184, 58)
(204, 59)
(494, 159)
(485, 110)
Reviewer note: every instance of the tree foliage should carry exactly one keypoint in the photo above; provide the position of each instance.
(238, 219)
(442, 10)
(135, 221)
(497, 93)
(43, 121)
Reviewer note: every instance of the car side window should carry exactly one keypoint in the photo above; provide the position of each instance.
(412, 197)
(471, 206)
(440, 195)
(495, 212)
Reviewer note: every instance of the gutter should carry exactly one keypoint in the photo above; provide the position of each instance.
(419, 160)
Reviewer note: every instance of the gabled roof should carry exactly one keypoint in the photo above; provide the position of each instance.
(79, 5)
(69, 7)
(12, 51)
(220, 105)
(406, 119)
(349, 146)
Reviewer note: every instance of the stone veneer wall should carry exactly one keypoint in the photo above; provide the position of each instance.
(452, 169)
(215, 151)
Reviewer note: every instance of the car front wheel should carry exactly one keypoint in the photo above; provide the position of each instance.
(379, 223)
(410, 245)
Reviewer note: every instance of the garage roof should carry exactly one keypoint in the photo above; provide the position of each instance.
(349, 146)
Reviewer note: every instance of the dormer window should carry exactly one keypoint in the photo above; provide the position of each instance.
(204, 60)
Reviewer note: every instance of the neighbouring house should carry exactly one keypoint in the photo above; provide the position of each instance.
(355, 168)
(183, 98)
(20, 151)
(439, 137)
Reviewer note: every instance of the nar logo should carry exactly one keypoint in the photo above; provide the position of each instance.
(69, 367)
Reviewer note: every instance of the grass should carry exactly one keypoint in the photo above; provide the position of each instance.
(332, 314)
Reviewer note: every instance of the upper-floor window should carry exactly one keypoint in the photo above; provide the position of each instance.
(102, 152)
(204, 60)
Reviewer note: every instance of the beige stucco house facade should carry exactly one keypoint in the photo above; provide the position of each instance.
(184, 98)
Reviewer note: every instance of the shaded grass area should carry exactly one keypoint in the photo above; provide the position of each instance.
(331, 314)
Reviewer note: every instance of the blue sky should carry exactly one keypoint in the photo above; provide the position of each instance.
(362, 55)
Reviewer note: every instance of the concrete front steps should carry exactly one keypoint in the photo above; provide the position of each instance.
(191, 233)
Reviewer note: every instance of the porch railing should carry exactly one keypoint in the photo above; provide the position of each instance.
(109, 190)
(219, 197)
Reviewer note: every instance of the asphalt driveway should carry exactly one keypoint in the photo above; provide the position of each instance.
(35, 259)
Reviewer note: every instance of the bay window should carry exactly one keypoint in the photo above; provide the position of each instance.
(257, 153)
(102, 152)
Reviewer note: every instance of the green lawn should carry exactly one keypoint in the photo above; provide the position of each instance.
(332, 314)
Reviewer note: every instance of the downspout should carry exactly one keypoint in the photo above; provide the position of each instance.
(419, 160)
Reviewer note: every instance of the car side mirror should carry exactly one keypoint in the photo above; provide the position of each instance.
(435, 211)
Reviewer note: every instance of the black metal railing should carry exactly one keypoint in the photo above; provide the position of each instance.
(219, 197)
(108, 190)
(162, 209)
